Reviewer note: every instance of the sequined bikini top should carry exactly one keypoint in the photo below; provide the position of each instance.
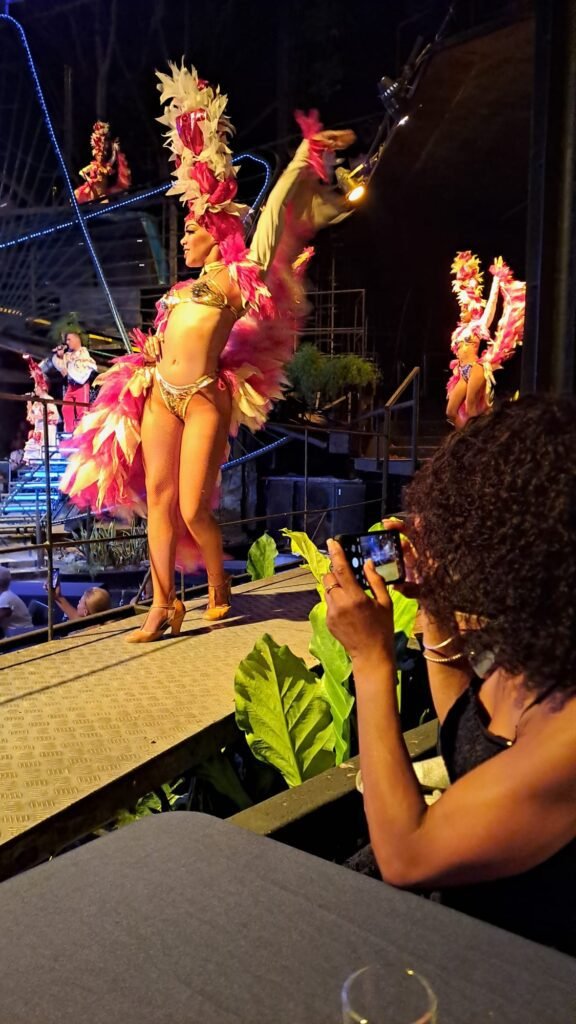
(207, 292)
(204, 291)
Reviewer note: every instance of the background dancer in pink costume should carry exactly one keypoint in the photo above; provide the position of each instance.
(161, 423)
(470, 389)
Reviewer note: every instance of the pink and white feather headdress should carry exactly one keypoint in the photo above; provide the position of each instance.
(468, 286)
(197, 137)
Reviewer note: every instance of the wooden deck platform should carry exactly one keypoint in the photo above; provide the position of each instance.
(88, 724)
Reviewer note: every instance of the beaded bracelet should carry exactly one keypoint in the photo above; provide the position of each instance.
(438, 647)
(443, 661)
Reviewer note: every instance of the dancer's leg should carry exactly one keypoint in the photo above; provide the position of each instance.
(69, 410)
(203, 446)
(161, 439)
(81, 395)
(455, 399)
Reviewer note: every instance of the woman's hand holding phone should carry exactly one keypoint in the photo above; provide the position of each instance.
(365, 627)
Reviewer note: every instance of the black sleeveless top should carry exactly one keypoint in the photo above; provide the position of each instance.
(539, 904)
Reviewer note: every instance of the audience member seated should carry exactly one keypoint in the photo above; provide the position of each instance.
(492, 556)
(14, 615)
(93, 600)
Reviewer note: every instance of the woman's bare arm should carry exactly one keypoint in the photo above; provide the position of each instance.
(504, 817)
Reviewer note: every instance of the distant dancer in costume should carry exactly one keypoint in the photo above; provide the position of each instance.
(34, 447)
(161, 424)
(471, 387)
(108, 172)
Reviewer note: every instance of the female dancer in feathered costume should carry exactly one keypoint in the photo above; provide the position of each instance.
(471, 387)
(159, 429)
(34, 447)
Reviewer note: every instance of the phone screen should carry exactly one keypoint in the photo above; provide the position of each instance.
(55, 578)
(383, 547)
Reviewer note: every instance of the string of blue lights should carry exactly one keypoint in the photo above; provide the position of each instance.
(252, 455)
(103, 210)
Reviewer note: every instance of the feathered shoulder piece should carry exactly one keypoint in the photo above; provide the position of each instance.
(509, 333)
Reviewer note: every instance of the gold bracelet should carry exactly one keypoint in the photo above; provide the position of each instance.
(444, 661)
(438, 647)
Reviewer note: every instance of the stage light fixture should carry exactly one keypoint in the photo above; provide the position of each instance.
(352, 183)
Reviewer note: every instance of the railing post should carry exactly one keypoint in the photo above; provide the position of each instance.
(49, 542)
(38, 532)
(385, 456)
(306, 480)
(415, 419)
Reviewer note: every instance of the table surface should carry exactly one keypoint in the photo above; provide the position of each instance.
(183, 918)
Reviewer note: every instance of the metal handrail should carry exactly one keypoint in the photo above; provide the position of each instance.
(292, 432)
(411, 379)
(392, 401)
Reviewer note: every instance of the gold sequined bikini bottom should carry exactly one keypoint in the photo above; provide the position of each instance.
(176, 397)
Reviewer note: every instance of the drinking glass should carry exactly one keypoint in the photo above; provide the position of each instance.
(388, 993)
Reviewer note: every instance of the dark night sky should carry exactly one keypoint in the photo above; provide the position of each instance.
(268, 56)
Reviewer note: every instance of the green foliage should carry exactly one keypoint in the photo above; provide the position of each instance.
(294, 721)
(218, 771)
(116, 547)
(260, 563)
(68, 324)
(375, 527)
(327, 650)
(305, 373)
(405, 611)
(282, 709)
(300, 544)
(337, 668)
(313, 373)
(343, 373)
(153, 803)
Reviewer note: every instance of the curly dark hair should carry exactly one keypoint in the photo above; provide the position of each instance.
(496, 536)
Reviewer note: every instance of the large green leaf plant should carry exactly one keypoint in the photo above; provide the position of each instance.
(293, 719)
(261, 558)
(281, 708)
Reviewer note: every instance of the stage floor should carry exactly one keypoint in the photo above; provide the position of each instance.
(88, 723)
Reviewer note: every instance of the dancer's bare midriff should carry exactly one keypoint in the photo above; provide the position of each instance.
(193, 342)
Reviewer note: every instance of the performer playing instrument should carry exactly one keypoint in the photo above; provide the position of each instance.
(470, 389)
(161, 424)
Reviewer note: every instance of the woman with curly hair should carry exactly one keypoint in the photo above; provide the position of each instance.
(492, 557)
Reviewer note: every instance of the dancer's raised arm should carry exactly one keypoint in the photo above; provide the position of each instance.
(303, 166)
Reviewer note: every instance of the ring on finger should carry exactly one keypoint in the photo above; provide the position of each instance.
(331, 587)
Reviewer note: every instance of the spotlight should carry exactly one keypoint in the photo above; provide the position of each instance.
(352, 183)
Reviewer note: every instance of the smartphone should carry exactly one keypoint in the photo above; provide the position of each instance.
(55, 580)
(383, 547)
